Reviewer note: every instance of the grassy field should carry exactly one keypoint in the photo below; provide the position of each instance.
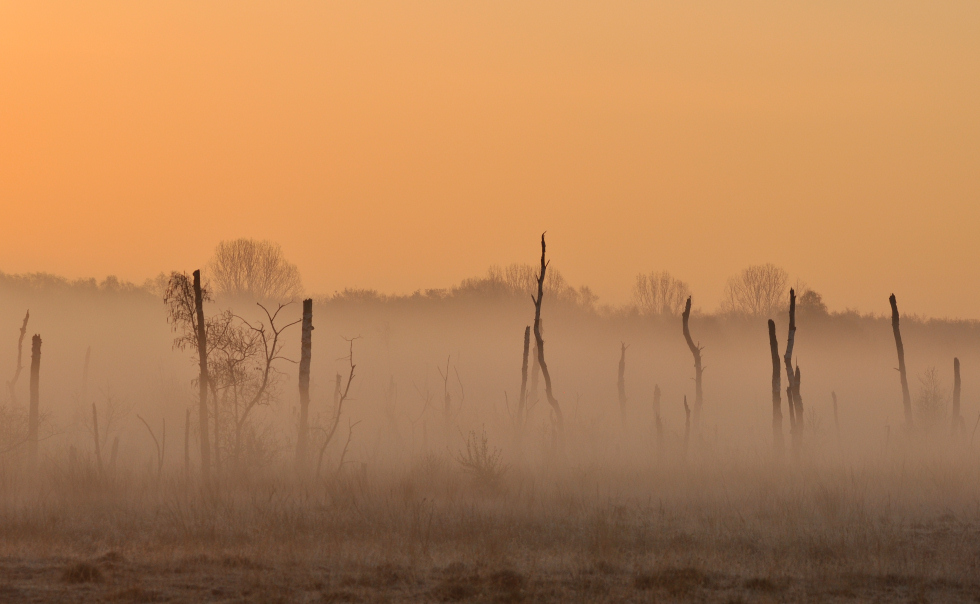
(724, 531)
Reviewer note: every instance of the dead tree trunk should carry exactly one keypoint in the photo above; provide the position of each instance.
(98, 442)
(532, 394)
(777, 413)
(957, 420)
(833, 395)
(559, 418)
(522, 400)
(187, 445)
(11, 385)
(687, 426)
(906, 397)
(798, 404)
(88, 356)
(659, 423)
(696, 351)
(621, 382)
(795, 422)
(202, 353)
(33, 417)
(306, 350)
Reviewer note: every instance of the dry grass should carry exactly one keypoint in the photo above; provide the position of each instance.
(708, 532)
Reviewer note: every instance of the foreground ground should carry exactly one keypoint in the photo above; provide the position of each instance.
(115, 578)
(887, 533)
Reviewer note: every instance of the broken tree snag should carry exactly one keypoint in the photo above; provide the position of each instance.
(788, 359)
(659, 423)
(957, 420)
(88, 357)
(833, 395)
(559, 418)
(687, 426)
(202, 354)
(187, 445)
(306, 348)
(696, 351)
(798, 408)
(906, 397)
(522, 400)
(621, 381)
(11, 385)
(777, 413)
(33, 416)
(98, 444)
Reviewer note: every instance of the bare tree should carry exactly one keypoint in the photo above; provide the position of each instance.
(341, 394)
(242, 361)
(559, 418)
(757, 291)
(185, 309)
(698, 369)
(903, 376)
(253, 270)
(777, 413)
(659, 293)
(306, 348)
(34, 414)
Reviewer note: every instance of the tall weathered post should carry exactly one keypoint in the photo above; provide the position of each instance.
(957, 420)
(202, 353)
(33, 416)
(549, 393)
(796, 422)
(621, 382)
(696, 352)
(906, 397)
(306, 349)
(522, 399)
(777, 413)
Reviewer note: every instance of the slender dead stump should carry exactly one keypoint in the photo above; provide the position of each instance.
(33, 417)
(795, 421)
(798, 404)
(778, 445)
(957, 420)
(202, 353)
(659, 424)
(98, 442)
(306, 350)
(161, 448)
(687, 427)
(522, 400)
(833, 395)
(187, 447)
(88, 357)
(533, 396)
(621, 382)
(559, 418)
(696, 351)
(906, 397)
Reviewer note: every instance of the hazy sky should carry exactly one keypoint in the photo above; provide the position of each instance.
(408, 145)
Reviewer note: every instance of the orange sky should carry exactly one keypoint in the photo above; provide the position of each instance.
(408, 145)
